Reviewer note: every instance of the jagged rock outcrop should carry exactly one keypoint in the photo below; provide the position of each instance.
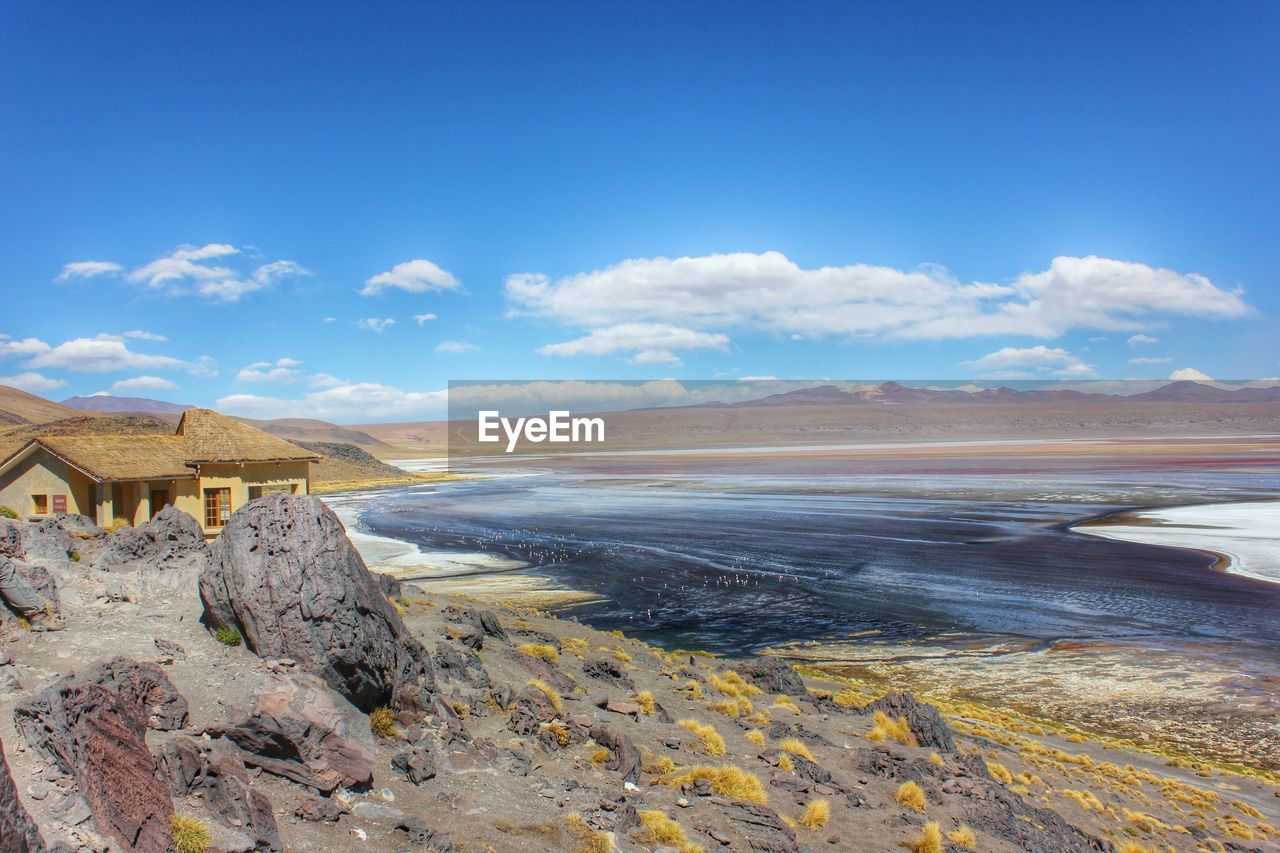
(925, 721)
(476, 625)
(285, 575)
(93, 727)
(40, 579)
(44, 541)
(171, 541)
(624, 757)
(215, 770)
(18, 832)
(772, 675)
(302, 730)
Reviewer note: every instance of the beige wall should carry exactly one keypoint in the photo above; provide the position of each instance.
(294, 476)
(42, 473)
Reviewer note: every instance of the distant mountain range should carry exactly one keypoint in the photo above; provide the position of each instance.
(107, 403)
(1185, 391)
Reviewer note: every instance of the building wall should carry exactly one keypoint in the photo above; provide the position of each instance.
(42, 473)
(240, 479)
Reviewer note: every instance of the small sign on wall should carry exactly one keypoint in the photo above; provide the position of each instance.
(59, 503)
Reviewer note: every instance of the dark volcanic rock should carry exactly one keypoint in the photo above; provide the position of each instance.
(18, 832)
(41, 541)
(462, 665)
(40, 580)
(607, 670)
(284, 575)
(421, 835)
(10, 539)
(304, 731)
(624, 757)
(1004, 814)
(772, 675)
(531, 710)
(93, 726)
(171, 541)
(926, 723)
(215, 769)
(763, 830)
(483, 622)
(319, 809)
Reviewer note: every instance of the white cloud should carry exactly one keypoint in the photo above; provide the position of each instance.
(109, 353)
(325, 380)
(757, 379)
(768, 292)
(189, 270)
(1030, 362)
(1190, 373)
(329, 320)
(282, 370)
(416, 276)
(1142, 340)
(423, 318)
(31, 382)
(78, 270)
(27, 346)
(455, 346)
(1152, 360)
(373, 324)
(142, 383)
(651, 343)
(138, 334)
(360, 402)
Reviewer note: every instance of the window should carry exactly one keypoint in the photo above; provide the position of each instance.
(256, 492)
(41, 504)
(217, 507)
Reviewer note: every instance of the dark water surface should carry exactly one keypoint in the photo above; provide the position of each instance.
(736, 563)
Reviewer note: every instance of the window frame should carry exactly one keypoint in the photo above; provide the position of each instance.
(213, 511)
(40, 504)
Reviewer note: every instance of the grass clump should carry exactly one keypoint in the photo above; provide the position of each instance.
(599, 757)
(795, 747)
(756, 737)
(1000, 773)
(547, 690)
(621, 655)
(74, 556)
(816, 814)
(190, 834)
(785, 701)
(646, 702)
(727, 781)
(7, 512)
(382, 722)
(886, 726)
(963, 836)
(930, 840)
(227, 635)
(658, 828)
(586, 839)
(573, 646)
(935, 759)
(651, 762)
(731, 707)
(712, 742)
(560, 731)
(692, 689)
(785, 763)
(540, 651)
(910, 795)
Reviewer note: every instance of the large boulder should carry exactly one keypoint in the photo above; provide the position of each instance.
(285, 575)
(43, 541)
(18, 832)
(93, 727)
(171, 541)
(215, 770)
(924, 720)
(772, 675)
(39, 578)
(302, 730)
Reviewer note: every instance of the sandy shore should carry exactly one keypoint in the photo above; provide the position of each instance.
(1245, 537)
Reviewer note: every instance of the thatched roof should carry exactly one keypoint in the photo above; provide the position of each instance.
(212, 437)
(122, 457)
(203, 437)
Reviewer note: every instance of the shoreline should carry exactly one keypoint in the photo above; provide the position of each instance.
(1240, 536)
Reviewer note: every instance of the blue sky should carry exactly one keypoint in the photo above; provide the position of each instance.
(630, 191)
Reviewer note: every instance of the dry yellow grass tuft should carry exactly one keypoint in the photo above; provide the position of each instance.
(785, 701)
(190, 835)
(660, 828)
(547, 690)
(1135, 847)
(382, 722)
(930, 840)
(728, 781)
(795, 747)
(560, 730)
(586, 839)
(756, 737)
(816, 814)
(850, 697)
(963, 836)
(692, 689)
(646, 702)
(910, 795)
(621, 655)
(712, 742)
(935, 759)
(785, 763)
(540, 651)
(897, 729)
(1000, 773)
(573, 646)
(599, 757)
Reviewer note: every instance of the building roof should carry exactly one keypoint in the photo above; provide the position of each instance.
(203, 437)
(211, 437)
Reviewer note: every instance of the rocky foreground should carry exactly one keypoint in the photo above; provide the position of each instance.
(269, 693)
